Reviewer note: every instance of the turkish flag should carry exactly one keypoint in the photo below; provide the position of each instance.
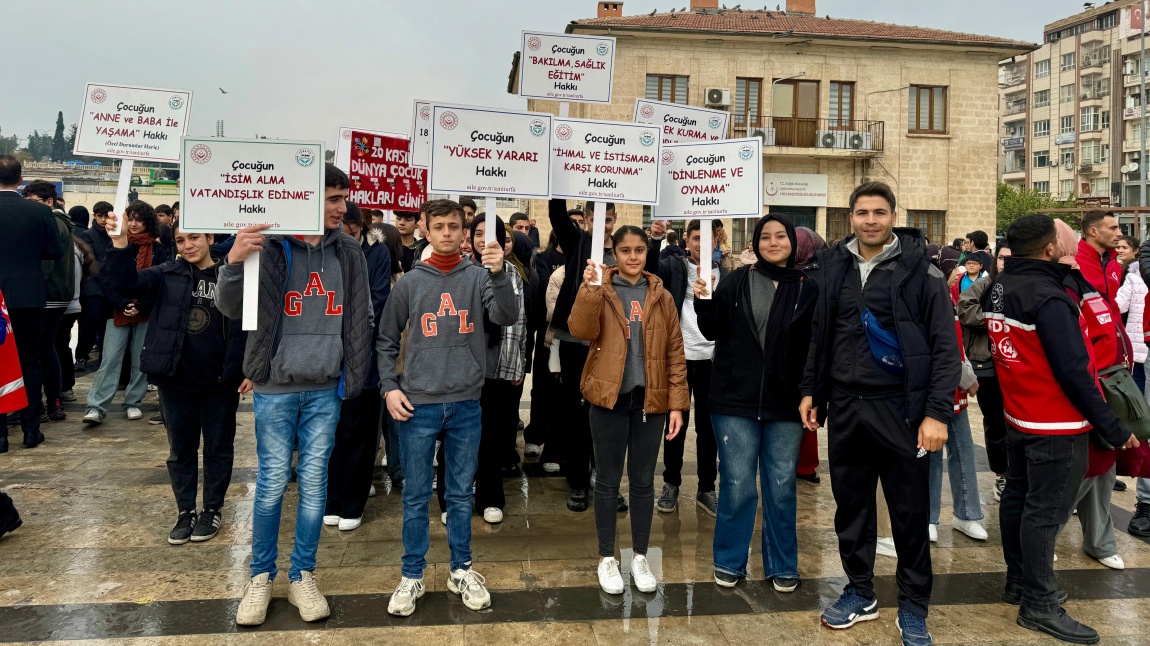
(1136, 17)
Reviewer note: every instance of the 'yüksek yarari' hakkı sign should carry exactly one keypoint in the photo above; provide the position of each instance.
(566, 67)
(230, 184)
(127, 122)
(682, 123)
(788, 189)
(711, 180)
(420, 134)
(489, 151)
(380, 175)
(605, 160)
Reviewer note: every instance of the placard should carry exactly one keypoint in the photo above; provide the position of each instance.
(682, 123)
(490, 151)
(379, 173)
(566, 67)
(421, 134)
(605, 160)
(790, 189)
(230, 184)
(711, 180)
(128, 122)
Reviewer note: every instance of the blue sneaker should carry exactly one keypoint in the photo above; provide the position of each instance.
(850, 609)
(913, 629)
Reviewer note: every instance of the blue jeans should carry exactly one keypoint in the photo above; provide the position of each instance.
(462, 427)
(117, 341)
(309, 417)
(963, 476)
(746, 447)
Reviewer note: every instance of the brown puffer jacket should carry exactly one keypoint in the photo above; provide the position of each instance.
(597, 316)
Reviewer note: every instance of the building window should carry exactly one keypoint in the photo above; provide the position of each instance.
(838, 224)
(1042, 98)
(672, 89)
(842, 104)
(1094, 152)
(927, 109)
(1105, 119)
(1042, 128)
(1108, 21)
(931, 223)
(1042, 69)
(1041, 158)
(1067, 124)
(748, 102)
(1092, 119)
(1100, 187)
(1065, 189)
(1066, 94)
(1068, 158)
(1043, 188)
(1068, 62)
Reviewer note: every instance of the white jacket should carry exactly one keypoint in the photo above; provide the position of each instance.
(1132, 299)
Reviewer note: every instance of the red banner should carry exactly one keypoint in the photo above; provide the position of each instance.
(380, 175)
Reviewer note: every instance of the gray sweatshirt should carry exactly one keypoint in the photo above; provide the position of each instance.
(633, 299)
(446, 350)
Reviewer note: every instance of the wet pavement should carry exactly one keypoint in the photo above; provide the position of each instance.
(92, 563)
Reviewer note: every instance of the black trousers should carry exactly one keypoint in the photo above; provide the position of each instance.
(92, 322)
(1043, 475)
(64, 352)
(993, 422)
(577, 432)
(352, 461)
(28, 327)
(544, 398)
(188, 416)
(500, 404)
(707, 453)
(869, 440)
(49, 362)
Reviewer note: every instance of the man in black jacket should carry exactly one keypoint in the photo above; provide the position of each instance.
(96, 308)
(28, 236)
(884, 360)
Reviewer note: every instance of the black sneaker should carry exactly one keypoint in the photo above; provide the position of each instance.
(812, 477)
(621, 506)
(182, 532)
(785, 584)
(1012, 594)
(156, 420)
(1140, 523)
(56, 411)
(578, 500)
(207, 526)
(1057, 624)
(33, 440)
(726, 580)
(1119, 485)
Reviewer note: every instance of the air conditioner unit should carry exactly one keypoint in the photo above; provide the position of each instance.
(1128, 67)
(718, 96)
(830, 139)
(766, 134)
(1068, 166)
(858, 140)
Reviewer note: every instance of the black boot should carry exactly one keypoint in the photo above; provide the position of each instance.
(1140, 523)
(9, 517)
(578, 500)
(1057, 624)
(4, 441)
(32, 440)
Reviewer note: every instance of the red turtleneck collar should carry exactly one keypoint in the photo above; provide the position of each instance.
(444, 263)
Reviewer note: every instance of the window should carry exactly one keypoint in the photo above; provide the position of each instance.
(1105, 119)
(1067, 124)
(672, 89)
(927, 109)
(1041, 158)
(1095, 152)
(1042, 128)
(1042, 98)
(1108, 21)
(1092, 119)
(842, 104)
(1065, 189)
(1100, 186)
(931, 223)
(1068, 158)
(1042, 69)
(838, 223)
(1066, 94)
(1068, 62)
(1043, 188)
(748, 101)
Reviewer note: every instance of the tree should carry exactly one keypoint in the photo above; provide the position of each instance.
(329, 156)
(39, 145)
(8, 145)
(58, 150)
(70, 140)
(1014, 203)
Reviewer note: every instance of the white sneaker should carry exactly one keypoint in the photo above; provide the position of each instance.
(641, 574)
(348, 524)
(443, 518)
(371, 492)
(93, 416)
(932, 530)
(551, 467)
(331, 521)
(1113, 562)
(531, 450)
(971, 528)
(254, 606)
(609, 578)
(402, 602)
(493, 515)
(885, 547)
(303, 594)
(135, 413)
(468, 584)
(383, 462)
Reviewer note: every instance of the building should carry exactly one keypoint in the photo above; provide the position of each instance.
(845, 101)
(1071, 110)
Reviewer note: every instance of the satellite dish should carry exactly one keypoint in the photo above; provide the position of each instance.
(1125, 169)
(1133, 167)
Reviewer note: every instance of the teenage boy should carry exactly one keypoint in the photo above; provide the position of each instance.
(310, 349)
(193, 355)
(469, 207)
(407, 223)
(441, 303)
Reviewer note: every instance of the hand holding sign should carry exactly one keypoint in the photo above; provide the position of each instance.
(116, 232)
(493, 257)
(592, 273)
(658, 229)
(248, 241)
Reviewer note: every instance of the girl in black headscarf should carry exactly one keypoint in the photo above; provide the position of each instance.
(760, 319)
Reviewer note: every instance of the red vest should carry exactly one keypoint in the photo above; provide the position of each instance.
(960, 401)
(12, 396)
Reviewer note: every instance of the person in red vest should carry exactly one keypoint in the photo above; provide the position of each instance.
(12, 398)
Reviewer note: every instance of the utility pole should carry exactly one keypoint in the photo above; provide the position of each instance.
(1143, 161)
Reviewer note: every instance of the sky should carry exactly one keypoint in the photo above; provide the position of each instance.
(299, 69)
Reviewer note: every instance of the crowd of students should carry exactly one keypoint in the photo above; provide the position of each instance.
(421, 344)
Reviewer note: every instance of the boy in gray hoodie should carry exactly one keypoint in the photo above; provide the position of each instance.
(441, 303)
(311, 348)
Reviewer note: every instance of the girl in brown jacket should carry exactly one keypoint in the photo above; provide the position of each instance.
(635, 377)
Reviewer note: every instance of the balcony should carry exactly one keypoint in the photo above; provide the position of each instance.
(1093, 60)
(1011, 78)
(1096, 92)
(1090, 169)
(1014, 170)
(1133, 79)
(838, 135)
(1014, 107)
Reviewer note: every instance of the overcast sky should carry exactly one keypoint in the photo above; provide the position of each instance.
(301, 68)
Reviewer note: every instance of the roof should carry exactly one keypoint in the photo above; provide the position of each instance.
(777, 22)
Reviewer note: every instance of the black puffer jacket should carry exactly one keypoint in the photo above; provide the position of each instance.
(114, 290)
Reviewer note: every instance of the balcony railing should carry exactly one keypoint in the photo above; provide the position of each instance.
(1014, 107)
(798, 132)
(1010, 79)
(1015, 167)
(1096, 92)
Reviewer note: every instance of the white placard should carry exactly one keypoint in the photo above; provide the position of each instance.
(420, 134)
(682, 123)
(490, 151)
(787, 189)
(706, 250)
(230, 184)
(605, 160)
(123, 187)
(598, 235)
(566, 67)
(715, 180)
(127, 122)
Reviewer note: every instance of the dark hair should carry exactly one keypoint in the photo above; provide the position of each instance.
(80, 217)
(143, 212)
(672, 236)
(979, 239)
(552, 240)
(354, 214)
(692, 226)
(9, 170)
(176, 205)
(571, 212)
(89, 263)
(102, 208)
(394, 243)
(500, 233)
(518, 217)
(414, 215)
(809, 242)
(873, 189)
(467, 201)
(590, 208)
(163, 209)
(957, 244)
(626, 230)
(439, 208)
(1028, 235)
(1091, 219)
(41, 189)
(993, 269)
(335, 178)
(1132, 241)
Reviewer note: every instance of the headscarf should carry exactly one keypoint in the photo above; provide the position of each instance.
(512, 258)
(809, 243)
(786, 295)
(493, 331)
(521, 250)
(1067, 243)
(80, 216)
